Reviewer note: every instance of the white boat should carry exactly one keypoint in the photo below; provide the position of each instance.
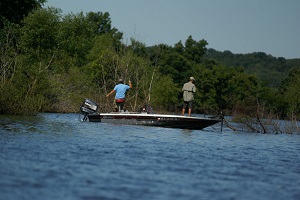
(89, 110)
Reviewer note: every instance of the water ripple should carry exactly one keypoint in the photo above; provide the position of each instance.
(55, 156)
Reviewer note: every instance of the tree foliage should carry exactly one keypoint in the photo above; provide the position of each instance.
(14, 11)
(50, 62)
(289, 88)
(269, 69)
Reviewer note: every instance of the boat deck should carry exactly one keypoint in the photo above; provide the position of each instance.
(159, 120)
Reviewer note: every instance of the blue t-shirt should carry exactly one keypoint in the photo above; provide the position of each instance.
(121, 90)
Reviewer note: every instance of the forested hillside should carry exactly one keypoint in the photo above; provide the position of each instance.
(270, 70)
(50, 62)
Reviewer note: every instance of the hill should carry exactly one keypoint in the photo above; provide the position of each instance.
(271, 70)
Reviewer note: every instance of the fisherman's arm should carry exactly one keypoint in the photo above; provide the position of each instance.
(111, 92)
(130, 84)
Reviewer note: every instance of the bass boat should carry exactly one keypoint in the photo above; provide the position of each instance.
(89, 111)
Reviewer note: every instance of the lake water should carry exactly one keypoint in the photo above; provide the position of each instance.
(56, 156)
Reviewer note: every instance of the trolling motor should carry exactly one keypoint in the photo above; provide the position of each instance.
(88, 107)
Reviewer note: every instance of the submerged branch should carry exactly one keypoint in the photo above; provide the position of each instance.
(229, 126)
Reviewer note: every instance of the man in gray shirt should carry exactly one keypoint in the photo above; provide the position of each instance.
(188, 95)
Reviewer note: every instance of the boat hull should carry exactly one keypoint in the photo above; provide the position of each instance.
(166, 121)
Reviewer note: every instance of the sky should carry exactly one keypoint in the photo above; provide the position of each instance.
(240, 26)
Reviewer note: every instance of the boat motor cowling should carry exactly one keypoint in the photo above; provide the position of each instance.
(88, 107)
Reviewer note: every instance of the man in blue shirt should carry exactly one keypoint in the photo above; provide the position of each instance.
(120, 90)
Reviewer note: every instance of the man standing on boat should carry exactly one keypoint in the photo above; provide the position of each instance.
(188, 95)
(120, 90)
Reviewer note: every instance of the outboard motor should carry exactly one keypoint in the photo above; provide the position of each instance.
(88, 107)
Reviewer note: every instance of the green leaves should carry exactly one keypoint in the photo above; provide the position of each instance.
(220, 87)
(165, 93)
(16, 10)
(291, 92)
(38, 34)
(194, 51)
(51, 60)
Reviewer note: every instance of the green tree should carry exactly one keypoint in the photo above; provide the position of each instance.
(179, 48)
(165, 94)
(77, 32)
(38, 48)
(138, 48)
(107, 64)
(291, 93)
(179, 60)
(8, 51)
(269, 69)
(194, 51)
(176, 66)
(75, 37)
(223, 88)
(16, 10)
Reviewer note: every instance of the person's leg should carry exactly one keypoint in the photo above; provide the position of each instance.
(119, 106)
(184, 107)
(183, 111)
(189, 112)
(190, 108)
(122, 106)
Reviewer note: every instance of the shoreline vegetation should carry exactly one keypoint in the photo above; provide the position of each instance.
(51, 62)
